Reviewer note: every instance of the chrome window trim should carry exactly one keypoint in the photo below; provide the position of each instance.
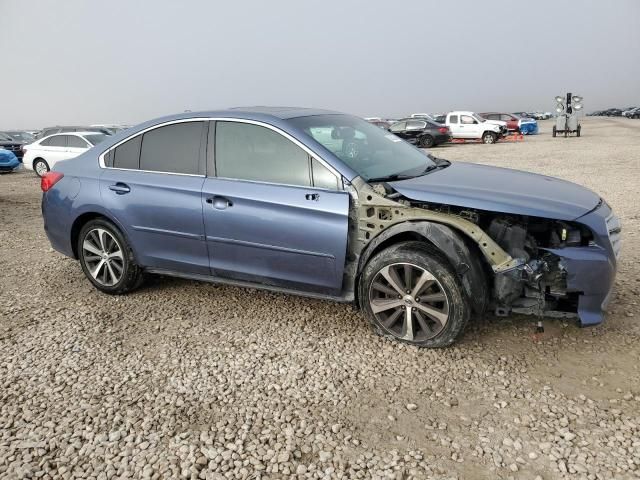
(302, 187)
(218, 119)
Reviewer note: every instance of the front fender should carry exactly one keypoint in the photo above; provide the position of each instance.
(465, 261)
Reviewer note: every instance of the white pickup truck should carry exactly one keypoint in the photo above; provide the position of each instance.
(470, 125)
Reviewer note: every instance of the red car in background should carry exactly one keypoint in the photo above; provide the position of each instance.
(513, 124)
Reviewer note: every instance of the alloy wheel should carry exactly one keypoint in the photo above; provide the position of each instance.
(103, 256)
(41, 168)
(408, 302)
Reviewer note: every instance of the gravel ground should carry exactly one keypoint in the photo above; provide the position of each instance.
(191, 380)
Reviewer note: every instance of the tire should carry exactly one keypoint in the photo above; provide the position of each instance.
(448, 310)
(427, 141)
(40, 166)
(489, 137)
(553, 131)
(104, 242)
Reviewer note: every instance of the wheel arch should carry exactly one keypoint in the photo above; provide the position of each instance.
(457, 249)
(82, 219)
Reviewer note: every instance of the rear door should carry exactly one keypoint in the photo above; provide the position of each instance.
(152, 185)
(273, 214)
(453, 122)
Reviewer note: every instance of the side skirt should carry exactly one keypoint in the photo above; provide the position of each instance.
(346, 298)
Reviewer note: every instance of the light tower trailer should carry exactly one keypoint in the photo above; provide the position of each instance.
(567, 119)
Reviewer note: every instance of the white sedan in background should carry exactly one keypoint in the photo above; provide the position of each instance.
(42, 155)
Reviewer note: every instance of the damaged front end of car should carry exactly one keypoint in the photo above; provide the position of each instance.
(507, 263)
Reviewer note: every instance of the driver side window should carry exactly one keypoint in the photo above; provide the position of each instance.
(467, 120)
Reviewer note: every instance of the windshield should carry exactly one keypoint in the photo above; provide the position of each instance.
(367, 149)
(478, 117)
(95, 138)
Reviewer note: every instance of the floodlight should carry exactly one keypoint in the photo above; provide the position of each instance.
(577, 106)
(559, 99)
(576, 98)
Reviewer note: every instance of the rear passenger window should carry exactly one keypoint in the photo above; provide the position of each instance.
(453, 119)
(57, 141)
(251, 152)
(127, 155)
(174, 148)
(75, 142)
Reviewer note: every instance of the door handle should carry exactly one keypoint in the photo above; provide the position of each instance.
(219, 203)
(120, 188)
(312, 196)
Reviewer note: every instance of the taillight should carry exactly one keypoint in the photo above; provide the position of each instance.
(49, 179)
(443, 129)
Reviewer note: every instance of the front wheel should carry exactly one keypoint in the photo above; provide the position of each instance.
(107, 259)
(411, 294)
(489, 137)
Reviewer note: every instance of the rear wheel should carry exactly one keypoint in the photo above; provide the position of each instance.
(107, 259)
(40, 166)
(409, 293)
(427, 141)
(489, 137)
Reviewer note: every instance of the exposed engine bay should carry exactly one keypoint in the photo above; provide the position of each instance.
(523, 276)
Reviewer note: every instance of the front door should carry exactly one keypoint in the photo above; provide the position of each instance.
(153, 187)
(469, 127)
(273, 214)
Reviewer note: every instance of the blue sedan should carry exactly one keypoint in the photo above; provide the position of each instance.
(326, 205)
(8, 161)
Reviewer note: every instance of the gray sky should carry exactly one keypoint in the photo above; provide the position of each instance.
(90, 61)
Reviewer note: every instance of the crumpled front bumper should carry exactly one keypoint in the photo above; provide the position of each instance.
(591, 270)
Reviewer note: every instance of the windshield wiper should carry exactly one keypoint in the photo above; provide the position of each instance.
(439, 163)
(391, 178)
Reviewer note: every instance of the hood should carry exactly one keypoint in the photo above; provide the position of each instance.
(500, 190)
(497, 122)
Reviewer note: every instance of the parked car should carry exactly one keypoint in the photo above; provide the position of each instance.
(632, 113)
(43, 154)
(421, 131)
(612, 112)
(8, 161)
(12, 145)
(276, 198)
(514, 122)
(19, 136)
(45, 132)
(469, 125)
(440, 118)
